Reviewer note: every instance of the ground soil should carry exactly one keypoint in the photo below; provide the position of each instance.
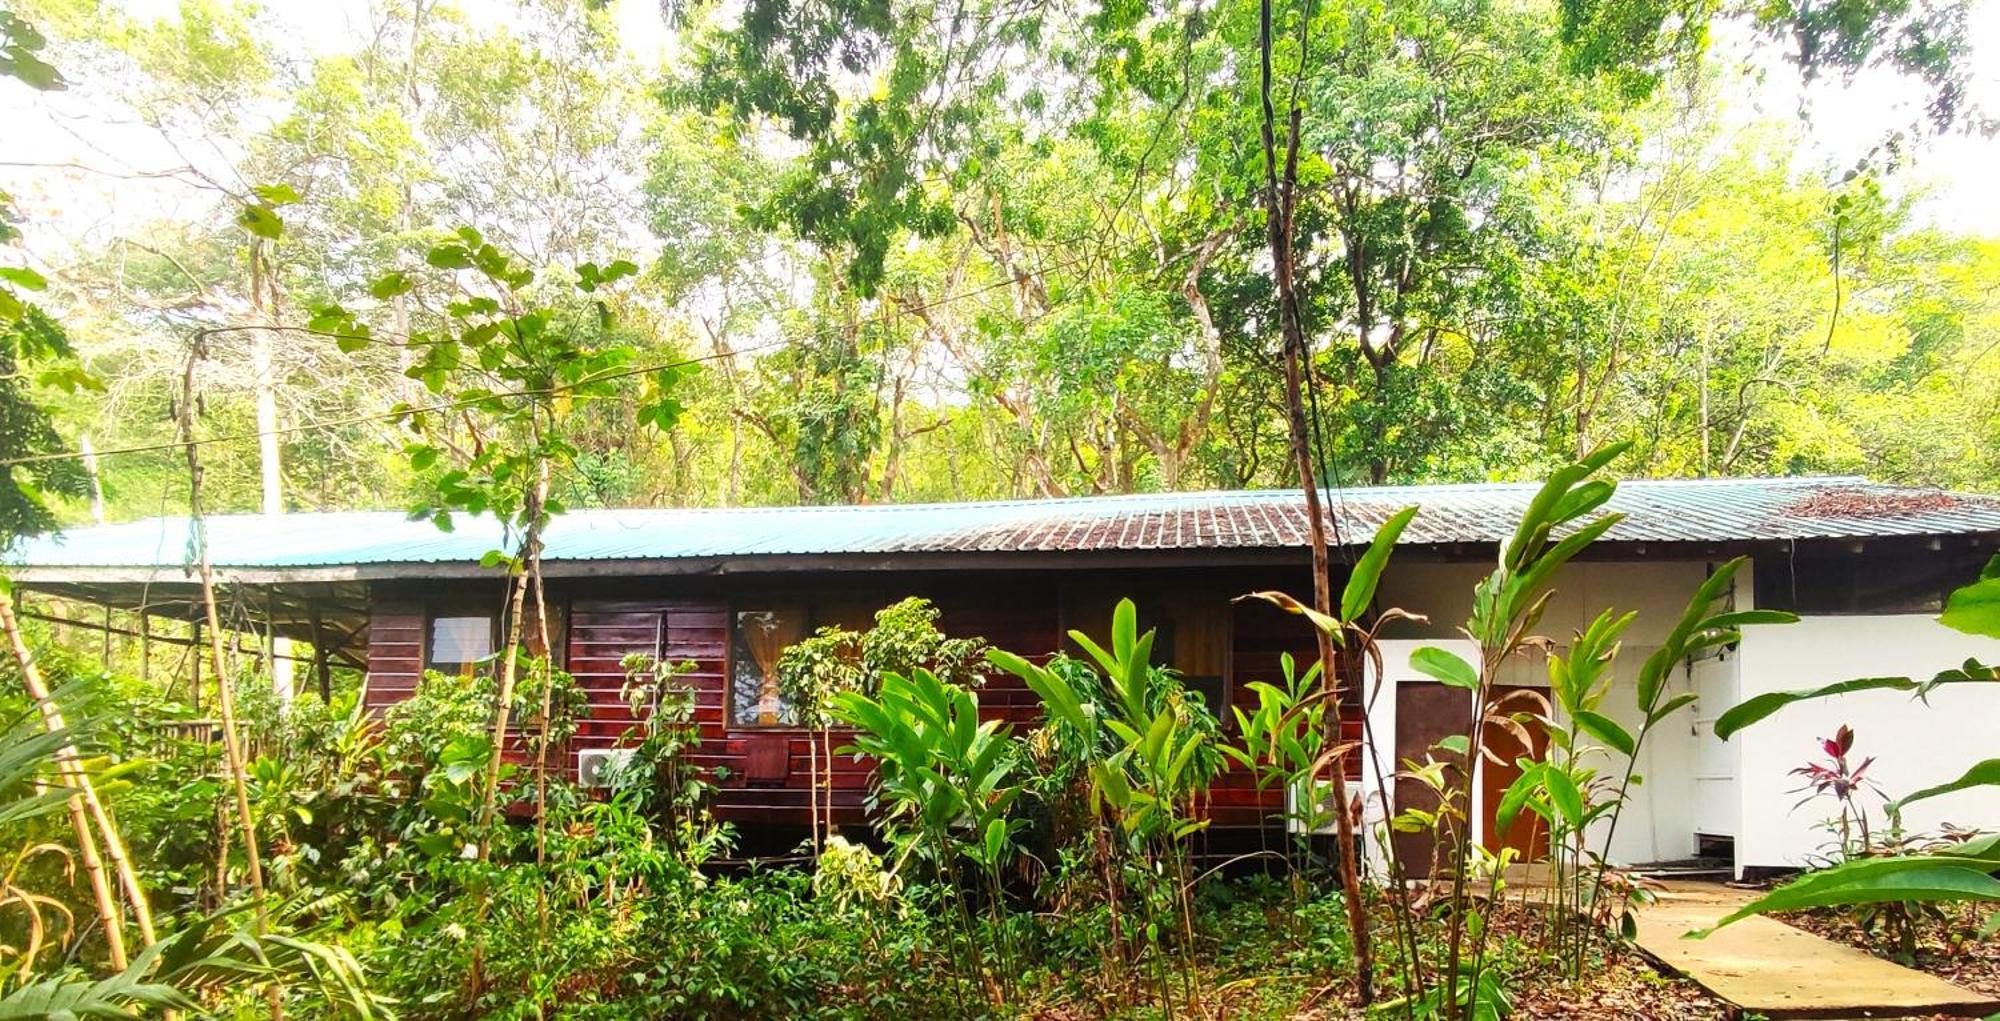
(1265, 970)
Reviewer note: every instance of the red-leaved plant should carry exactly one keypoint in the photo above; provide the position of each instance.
(1836, 779)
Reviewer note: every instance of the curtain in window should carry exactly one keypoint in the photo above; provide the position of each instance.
(765, 635)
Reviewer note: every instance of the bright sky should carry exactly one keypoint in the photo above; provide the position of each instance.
(1955, 172)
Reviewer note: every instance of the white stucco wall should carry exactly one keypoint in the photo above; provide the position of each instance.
(1659, 822)
(1916, 745)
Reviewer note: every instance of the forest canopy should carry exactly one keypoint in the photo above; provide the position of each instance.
(918, 255)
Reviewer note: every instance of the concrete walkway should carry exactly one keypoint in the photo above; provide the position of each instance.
(1775, 970)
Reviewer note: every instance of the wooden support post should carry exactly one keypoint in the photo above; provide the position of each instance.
(322, 669)
(145, 648)
(194, 684)
(264, 651)
(107, 638)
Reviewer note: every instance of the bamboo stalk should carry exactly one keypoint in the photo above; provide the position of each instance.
(73, 777)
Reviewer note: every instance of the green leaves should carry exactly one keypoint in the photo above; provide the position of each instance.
(260, 217)
(1700, 626)
(280, 194)
(1564, 796)
(1559, 501)
(449, 256)
(348, 333)
(1445, 667)
(1367, 573)
(936, 764)
(589, 277)
(23, 277)
(261, 221)
(1518, 795)
(1607, 730)
(1761, 706)
(1982, 774)
(19, 45)
(1921, 878)
(1975, 609)
(391, 284)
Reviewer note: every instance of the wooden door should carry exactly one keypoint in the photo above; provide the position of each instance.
(1426, 712)
(1527, 835)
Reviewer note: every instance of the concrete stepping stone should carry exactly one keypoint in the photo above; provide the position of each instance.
(1773, 969)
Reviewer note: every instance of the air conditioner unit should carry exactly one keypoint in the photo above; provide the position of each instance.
(1323, 820)
(594, 766)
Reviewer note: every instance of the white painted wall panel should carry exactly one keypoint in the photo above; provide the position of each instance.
(1916, 745)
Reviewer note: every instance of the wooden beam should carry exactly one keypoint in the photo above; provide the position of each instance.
(321, 668)
(114, 630)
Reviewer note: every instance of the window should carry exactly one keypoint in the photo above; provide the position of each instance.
(458, 644)
(759, 636)
(1885, 582)
(1192, 633)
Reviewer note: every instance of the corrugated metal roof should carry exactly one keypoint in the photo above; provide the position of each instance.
(1709, 510)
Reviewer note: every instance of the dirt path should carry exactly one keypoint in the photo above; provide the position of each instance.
(1773, 969)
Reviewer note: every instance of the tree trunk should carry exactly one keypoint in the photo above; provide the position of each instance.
(1280, 203)
(526, 563)
(270, 465)
(225, 690)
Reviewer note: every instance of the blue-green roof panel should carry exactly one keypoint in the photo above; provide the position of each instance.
(1718, 510)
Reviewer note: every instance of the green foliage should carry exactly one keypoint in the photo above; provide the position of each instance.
(1758, 707)
(1962, 873)
(1975, 608)
(815, 670)
(33, 346)
(20, 45)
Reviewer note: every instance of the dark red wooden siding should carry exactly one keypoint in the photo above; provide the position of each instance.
(1021, 615)
(395, 652)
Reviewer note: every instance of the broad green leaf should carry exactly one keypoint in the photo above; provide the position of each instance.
(1922, 878)
(261, 221)
(1453, 743)
(1671, 706)
(1982, 774)
(1975, 609)
(22, 276)
(1564, 795)
(1744, 618)
(1757, 708)
(276, 194)
(391, 284)
(1124, 629)
(1516, 797)
(1367, 573)
(449, 257)
(1607, 730)
(1446, 667)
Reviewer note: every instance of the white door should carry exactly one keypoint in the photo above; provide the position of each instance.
(1715, 802)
